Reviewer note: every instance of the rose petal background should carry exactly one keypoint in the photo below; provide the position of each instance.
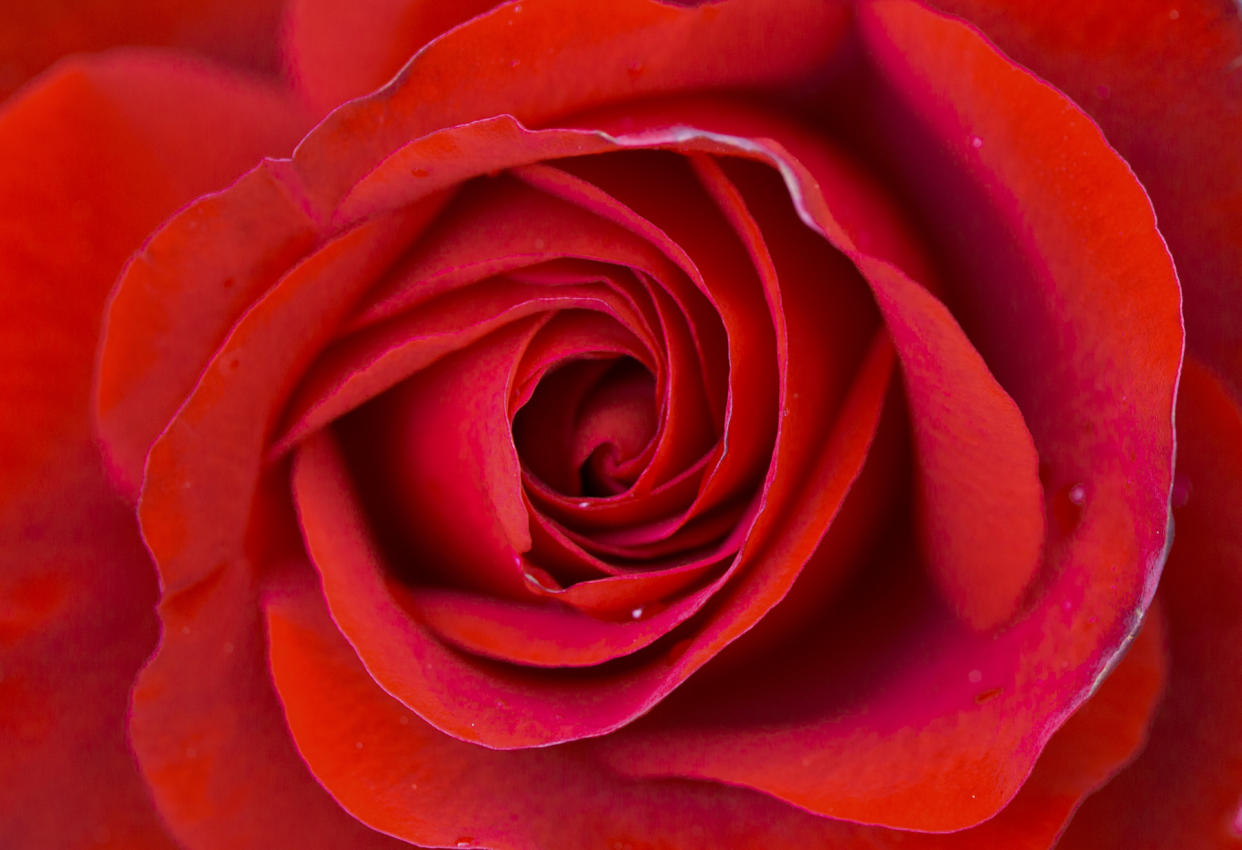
(1189, 203)
(35, 35)
(92, 156)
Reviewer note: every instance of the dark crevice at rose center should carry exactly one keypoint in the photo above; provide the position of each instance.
(588, 426)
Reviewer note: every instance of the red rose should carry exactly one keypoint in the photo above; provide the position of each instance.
(734, 425)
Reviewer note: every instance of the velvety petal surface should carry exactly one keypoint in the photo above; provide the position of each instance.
(95, 156)
(35, 35)
(214, 522)
(213, 746)
(1163, 80)
(1099, 568)
(76, 584)
(1185, 788)
(538, 60)
(336, 50)
(203, 472)
(396, 773)
(77, 592)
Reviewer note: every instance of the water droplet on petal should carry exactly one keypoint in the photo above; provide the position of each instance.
(637, 612)
(540, 244)
(974, 677)
(465, 841)
(1078, 495)
(1103, 92)
(1174, 14)
(404, 721)
(540, 578)
(584, 504)
(419, 172)
(976, 142)
(357, 745)
(515, 63)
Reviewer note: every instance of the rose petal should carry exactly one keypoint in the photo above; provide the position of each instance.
(1162, 81)
(79, 196)
(1015, 184)
(339, 50)
(563, 65)
(34, 35)
(394, 772)
(1102, 563)
(1185, 789)
(171, 310)
(202, 472)
(436, 466)
(981, 507)
(76, 622)
(213, 746)
(962, 415)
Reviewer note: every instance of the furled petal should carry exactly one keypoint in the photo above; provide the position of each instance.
(981, 503)
(203, 471)
(821, 746)
(461, 695)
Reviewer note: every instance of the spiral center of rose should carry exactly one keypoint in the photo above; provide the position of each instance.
(587, 429)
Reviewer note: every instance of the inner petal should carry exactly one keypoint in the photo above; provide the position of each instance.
(588, 424)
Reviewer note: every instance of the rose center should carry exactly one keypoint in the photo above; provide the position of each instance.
(588, 427)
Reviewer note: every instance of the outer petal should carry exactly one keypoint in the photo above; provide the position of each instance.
(93, 158)
(76, 586)
(1164, 81)
(398, 774)
(1185, 790)
(212, 744)
(337, 49)
(34, 35)
(76, 622)
(558, 60)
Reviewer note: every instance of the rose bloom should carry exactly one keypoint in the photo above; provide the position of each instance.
(628, 425)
